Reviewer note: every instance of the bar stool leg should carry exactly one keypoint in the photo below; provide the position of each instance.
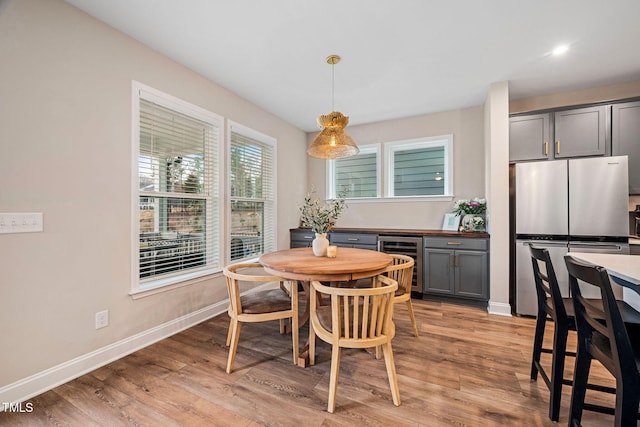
(557, 370)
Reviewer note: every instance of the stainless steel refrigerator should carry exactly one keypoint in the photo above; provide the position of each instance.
(578, 205)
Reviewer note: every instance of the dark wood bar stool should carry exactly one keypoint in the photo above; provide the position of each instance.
(551, 305)
(604, 336)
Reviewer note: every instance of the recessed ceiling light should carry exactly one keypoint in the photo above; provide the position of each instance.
(559, 50)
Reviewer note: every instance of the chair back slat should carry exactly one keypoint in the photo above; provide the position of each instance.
(360, 313)
(401, 270)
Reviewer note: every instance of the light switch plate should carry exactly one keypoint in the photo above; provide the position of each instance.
(21, 222)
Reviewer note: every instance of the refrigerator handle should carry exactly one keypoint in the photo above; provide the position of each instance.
(601, 247)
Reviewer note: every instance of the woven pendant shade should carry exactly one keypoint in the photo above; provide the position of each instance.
(333, 142)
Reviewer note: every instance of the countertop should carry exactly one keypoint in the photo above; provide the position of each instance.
(406, 232)
(634, 240)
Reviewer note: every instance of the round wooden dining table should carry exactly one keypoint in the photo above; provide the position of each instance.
(300, 264)
(349, 264)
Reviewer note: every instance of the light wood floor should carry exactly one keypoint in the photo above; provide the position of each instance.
(467, 368)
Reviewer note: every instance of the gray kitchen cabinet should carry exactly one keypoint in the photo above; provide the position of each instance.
(354, 240)
(299, 238)
(529, 137)
(578, 132)
(625, 132)
(456, 268)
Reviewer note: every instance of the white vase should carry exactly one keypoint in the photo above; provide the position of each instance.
(320, 244)
(467, 223)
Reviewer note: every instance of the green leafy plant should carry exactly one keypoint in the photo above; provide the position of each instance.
(474, 206)
(322, 218)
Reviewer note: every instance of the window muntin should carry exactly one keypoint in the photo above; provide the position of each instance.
(177, 192)
(252, 193)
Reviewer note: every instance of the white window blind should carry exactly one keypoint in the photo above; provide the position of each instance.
(177, 187)
(252, 194)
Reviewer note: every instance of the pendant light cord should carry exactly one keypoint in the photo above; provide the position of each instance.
(332, 86)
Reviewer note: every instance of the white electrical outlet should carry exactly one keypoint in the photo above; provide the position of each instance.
(102, 319)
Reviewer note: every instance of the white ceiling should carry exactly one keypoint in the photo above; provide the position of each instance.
(399, 57)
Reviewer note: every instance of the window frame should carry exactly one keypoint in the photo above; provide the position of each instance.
(390, 148)
(385, 157)
(270, 238)
(140, 286)
(331, 174)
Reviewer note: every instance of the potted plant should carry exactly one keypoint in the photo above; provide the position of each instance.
(321, 218)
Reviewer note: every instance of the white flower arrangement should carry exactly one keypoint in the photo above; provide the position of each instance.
(475, 206)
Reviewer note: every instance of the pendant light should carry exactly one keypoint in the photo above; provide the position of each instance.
(333, 142)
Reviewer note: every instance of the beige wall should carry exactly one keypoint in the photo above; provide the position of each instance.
(577, 97)
(65, 145)
(466, 125)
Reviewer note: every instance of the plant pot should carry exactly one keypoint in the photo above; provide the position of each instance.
(473, 223)
(320, 244)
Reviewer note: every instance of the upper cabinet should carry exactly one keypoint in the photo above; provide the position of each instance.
(529, 137)
(580, 132)
(625, 132)
(568, 133)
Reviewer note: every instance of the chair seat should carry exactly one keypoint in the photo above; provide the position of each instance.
(628, 313)
(265, 302)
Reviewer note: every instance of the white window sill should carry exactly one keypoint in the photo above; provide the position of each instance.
(400, 199)
(165, 284)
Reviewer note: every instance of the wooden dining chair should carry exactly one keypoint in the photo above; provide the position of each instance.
(401, 270)
(260, 306)
(356, 318)
(603, 335)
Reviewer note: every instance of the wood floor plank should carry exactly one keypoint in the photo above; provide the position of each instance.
(467, 368)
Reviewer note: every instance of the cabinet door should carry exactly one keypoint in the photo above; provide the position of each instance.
(471, 274)
(580, 132)
(625, 123)
(438, 266)
(530, 137)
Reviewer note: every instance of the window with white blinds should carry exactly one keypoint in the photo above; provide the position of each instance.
(178, 188)
(419, 167)
(252, 193)
(358, 174)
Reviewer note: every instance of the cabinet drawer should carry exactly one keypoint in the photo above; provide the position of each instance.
(455, 243)
(301, 238)
(354, 238)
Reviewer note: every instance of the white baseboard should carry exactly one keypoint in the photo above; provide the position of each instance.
(36, 384)
(499, 308)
